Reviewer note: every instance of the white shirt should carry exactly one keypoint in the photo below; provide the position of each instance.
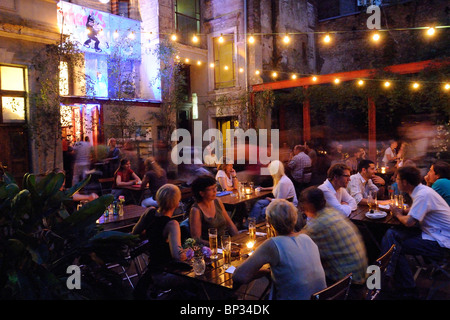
(335, 197)
(390, 152)
(358, 188)
(433, 214)
(222, 174)
(285, 189)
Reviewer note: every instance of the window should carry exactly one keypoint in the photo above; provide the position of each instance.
(187, 19)
(124, 8)
(12, 94)
(224, 76)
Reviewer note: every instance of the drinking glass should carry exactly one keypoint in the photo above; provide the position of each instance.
(199, 265)
(226, 250)
(252, 186)
(252, 228)
(212, 234)
(371, 200)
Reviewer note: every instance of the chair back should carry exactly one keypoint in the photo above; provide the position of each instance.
(337, 291)
(382, 262)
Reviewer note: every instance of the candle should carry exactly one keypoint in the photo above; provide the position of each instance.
(383, 169)
(248, 190)
(250, 244)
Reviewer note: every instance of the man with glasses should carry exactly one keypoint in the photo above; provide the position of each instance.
(364, 182)
(334, 189)
(430, 214)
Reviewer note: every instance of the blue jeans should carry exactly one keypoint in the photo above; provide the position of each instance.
(259, 210)
(407, 242)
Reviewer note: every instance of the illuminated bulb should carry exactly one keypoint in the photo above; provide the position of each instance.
(286, 39)
(226, 68)
(116, 34)
(177, 57)
(187, 60)
(174, 37)
(360, 83)
(314, 78)
(376, 37)
(415, 85)
(211, 65)
(327, 39)
(221, 39)
(447, 86)
(430, 31)
(294, 77)
(257, 72)
(241, 70)
(251, 39)
(194, 39)
(337, 80)
(199, 63)
(274, 74)
(131, 36)
(387, 84)
(250, 244)
(88, 31)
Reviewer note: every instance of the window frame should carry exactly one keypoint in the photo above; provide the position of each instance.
(15, 94)
(183, 36)
(229, 33)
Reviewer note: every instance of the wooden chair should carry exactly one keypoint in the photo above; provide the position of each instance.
(106, 185)
(337, 291)
(382, 262)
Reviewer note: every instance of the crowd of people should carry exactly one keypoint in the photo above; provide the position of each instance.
(328, 245)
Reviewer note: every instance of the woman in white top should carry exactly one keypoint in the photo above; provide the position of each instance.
(226, 176)
(283, 188)
(390, 155)
(295, 266)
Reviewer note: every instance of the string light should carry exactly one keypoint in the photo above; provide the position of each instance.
(286, 39)
(199, 63)
(174, 37)
(194, 39)
(241, 70)
(226, 68)
(360, 83)
(294, 77)
(221, 40)
(314, 78)
(186, 60)
(274, 74)
(131, 36)
(327, 38)
(211, 65)
(116, 34)
(415, 85)
(251, 40)
(257, 72)
(376, 37)
(447, 86)
(337, 81)
(387, 84)
(431, 31)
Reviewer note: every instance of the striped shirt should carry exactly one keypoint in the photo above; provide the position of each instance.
(341, 247)
(298, 164)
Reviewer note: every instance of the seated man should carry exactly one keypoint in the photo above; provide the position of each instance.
(334, 189)
(364, 182)
(430, 214)
(300, 168)
(342, 250)
(438, 178)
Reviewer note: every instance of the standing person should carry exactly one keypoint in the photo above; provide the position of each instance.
(294, 259)
(334, 189)
(341, 247)
(68, 157)
(390, 155)
(301, 168)
(364, 182)
(438, 178)
(226, 175)
(427, 232)
(82, 163)
(155, 177)
(282, 188)
(208, 211)
(113, 157)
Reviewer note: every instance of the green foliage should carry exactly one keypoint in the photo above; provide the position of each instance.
(40, 238)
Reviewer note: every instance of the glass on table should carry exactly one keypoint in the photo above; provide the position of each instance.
(226, 250)
(212, 234)
(252, 228)
(372, 200)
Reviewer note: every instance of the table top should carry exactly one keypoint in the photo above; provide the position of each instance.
(359, 215)
(131, 214)
(215, 272)
(233, 198)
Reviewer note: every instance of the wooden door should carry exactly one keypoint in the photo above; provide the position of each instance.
(14, 151)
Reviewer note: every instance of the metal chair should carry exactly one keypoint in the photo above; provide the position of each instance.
(337, 291)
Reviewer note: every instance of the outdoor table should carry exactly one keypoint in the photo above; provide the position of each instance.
(136, 192)
(215, 276)
(131, 215)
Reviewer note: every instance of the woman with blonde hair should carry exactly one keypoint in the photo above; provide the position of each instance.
(294, 259)
(283, 188)
(155, 177)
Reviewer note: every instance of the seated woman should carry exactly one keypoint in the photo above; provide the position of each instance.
(155, 177)
(164, 236)
(123, 177)
(226, 176)
(294, 259)
(208, 211)
(283, 188)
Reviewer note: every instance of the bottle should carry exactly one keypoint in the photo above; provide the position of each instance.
(116, 208)
(121, 208)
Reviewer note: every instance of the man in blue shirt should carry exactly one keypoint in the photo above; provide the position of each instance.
(438, 178)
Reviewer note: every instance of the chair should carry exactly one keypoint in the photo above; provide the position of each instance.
(382, 262)
(106, 185)
(337, 291)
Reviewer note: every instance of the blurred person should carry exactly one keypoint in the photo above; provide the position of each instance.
(113, 157)
(353, 160)
(342, 249)
(226, 175)
(154, 177)
(390, 155)
(294, 259)
(438, 178)
(82, 150)
(208, 211)
(300, 166)
(77, 196)
(364, 182)
(282, 188)
(164, 237)
(335, 189)
(427, 231)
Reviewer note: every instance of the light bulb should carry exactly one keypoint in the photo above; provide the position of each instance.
(376, 37)
(387, 84)
(174, 37)
(431, 31)
(294, 77)
(360, 83)
(286, 39)
(251, 39)
(194, 39)
(327, 39)
(415, 85)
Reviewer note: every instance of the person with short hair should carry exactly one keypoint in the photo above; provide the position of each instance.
(342, 249)
(301, 167)
(429, 214)
(438, 178)
(294, 259)
(364, 182)
(334, 189)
